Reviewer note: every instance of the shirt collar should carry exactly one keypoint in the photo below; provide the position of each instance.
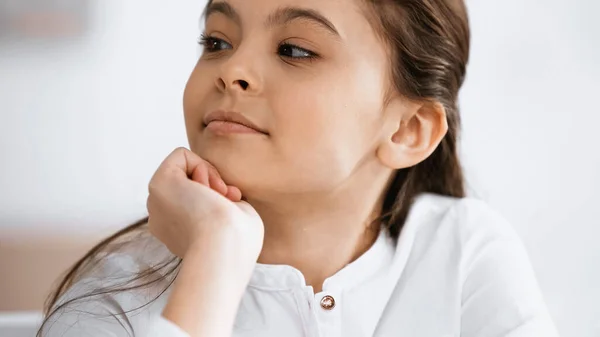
(283, 277)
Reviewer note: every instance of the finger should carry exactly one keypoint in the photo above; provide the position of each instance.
(201, 175)
(233, 193)
(184, 160)
(215, 181)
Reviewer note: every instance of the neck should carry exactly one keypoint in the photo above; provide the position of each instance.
(320, 234)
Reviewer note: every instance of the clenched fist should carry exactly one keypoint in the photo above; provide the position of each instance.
(190, 207)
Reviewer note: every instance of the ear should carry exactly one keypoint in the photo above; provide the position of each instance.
(413, 130)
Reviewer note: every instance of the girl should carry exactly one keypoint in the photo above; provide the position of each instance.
(322, 194)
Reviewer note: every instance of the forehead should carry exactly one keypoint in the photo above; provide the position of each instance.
(348, 16)
(269, 5)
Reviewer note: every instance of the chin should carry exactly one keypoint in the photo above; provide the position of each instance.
(234, 169)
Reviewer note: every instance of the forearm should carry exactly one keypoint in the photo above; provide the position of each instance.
(203, 301)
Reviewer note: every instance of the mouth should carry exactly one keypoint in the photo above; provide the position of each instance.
(225, 122)
(227, 127)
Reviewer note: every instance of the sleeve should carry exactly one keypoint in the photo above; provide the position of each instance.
(73, 324)
(163, 327)
(135, 312)
(500, 293)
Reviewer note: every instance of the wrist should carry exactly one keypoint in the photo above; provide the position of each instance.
(202, 302)
(222, 263)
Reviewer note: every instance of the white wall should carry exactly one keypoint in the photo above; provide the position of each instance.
(531, 127)
(84, 124)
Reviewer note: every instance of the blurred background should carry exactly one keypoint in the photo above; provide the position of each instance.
(90, 104)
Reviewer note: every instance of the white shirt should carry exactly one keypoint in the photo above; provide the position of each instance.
(459, 269)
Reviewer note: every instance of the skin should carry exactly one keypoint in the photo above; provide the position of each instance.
(335, 138)
(219, 237)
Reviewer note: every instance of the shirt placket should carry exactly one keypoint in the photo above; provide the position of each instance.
(328, 313)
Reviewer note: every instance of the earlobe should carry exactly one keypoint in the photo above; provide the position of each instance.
(415, 136)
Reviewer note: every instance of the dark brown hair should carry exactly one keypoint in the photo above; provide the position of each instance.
(428, 44)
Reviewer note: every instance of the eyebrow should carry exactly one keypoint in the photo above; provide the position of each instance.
(223, 8)
(281, 16)
(285, 15)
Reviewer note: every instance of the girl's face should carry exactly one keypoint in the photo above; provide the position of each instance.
(312, 73)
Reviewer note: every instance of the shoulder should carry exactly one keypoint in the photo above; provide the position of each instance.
(474, 238)
(124, 258)
(119, 289)
(484, 254)
(463, 230)
(464, 218)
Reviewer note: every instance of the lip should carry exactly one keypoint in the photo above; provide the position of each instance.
(231, 117)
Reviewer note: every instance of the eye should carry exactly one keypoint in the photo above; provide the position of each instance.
(213, 44)
(294, 52)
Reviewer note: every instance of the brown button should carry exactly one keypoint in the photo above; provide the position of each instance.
(327, 302)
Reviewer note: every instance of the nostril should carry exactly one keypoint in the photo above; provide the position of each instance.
(221, 84)
(243, 84)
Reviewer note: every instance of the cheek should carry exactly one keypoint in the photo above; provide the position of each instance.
(195, 100)
(325, 127)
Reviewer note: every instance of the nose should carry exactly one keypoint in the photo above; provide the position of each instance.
(242, 84)
(240, 74)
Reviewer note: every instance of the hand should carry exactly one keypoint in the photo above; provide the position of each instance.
(203, 220)
(191, 208)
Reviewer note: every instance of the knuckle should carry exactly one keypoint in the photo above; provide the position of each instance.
(152, 188)
(180, 150)
(212, 169)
